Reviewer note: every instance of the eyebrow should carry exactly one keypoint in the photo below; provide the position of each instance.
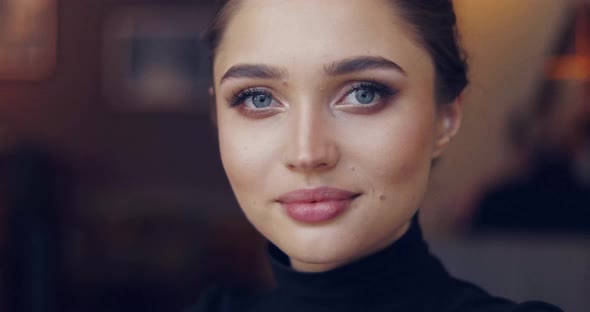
(259, 71)
(362, 63)
(338, 68)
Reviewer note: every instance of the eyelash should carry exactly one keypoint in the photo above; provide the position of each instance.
(239, 97)
(382, 90)
(379, 88)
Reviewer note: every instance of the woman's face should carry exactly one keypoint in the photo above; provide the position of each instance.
(327, 125)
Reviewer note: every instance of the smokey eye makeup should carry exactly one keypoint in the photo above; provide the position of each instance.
(253, 102)
(255, 96)
(367, 93)
(358, 97)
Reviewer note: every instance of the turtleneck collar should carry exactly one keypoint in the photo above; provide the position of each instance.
(398, 266)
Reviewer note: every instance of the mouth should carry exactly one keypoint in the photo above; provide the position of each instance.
(316, 205)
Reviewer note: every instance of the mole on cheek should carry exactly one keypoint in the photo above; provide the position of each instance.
(382, 197)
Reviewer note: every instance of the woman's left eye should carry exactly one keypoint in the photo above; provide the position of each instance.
(365, 96)
(259, 100)
(366, 93)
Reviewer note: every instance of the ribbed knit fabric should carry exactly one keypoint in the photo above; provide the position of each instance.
(403, 277)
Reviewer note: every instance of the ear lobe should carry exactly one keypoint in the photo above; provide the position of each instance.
(448, 122)
(212, 107)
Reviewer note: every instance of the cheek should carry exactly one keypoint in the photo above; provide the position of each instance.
(396, 153)
(247, 157)
(406, 172)
(236, 156)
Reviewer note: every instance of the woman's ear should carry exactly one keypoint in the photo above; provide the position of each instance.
(448, 122)
(212, 107)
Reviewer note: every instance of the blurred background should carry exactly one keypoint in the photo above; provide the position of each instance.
(113, 198)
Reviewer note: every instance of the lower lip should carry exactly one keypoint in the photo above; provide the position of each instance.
(316, 212)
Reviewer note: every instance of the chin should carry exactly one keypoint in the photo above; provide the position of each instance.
(333, 245)
(320, 260)
(320, 246)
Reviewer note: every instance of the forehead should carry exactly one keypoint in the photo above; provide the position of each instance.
(306, 34)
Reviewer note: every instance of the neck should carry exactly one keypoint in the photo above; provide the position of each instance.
(302, 266)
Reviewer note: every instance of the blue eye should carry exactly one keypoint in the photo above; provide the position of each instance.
(253, 98)
(367, 93)
(365, 96)
(261, 100)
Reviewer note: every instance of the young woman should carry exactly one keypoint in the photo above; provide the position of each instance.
(330, 115)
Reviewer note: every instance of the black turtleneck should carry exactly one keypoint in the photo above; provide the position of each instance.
(402, 277)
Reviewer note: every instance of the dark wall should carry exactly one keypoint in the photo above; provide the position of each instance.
(67, 113)
(145, 214)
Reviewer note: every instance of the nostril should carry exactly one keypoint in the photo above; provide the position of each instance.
(310, 158)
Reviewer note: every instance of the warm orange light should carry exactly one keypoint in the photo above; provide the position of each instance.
(28, 31)
(574, 67)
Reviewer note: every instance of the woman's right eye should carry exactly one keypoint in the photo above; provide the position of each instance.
(259, 100)
(253, 99)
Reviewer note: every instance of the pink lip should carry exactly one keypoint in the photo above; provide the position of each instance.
(316, 205)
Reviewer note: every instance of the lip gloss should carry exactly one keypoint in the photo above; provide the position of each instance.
(316, 205)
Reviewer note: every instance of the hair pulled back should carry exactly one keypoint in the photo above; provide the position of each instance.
(434, 26)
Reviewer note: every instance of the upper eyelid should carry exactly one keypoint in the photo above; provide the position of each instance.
(235, 97)
(370, 83)
(345, 88)
(234, 94)
(380, 88)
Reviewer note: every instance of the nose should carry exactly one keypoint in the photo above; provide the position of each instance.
(310, 143)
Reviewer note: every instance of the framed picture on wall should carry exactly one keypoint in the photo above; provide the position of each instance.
(154, 59)
(28, 31)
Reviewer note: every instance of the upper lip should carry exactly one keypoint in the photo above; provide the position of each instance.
(319, 194)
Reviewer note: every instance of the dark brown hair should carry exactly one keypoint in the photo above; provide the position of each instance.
(433, 22)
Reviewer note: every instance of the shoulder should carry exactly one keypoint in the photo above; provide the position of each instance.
(536, 306)
(211, 299)
(466, 297)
